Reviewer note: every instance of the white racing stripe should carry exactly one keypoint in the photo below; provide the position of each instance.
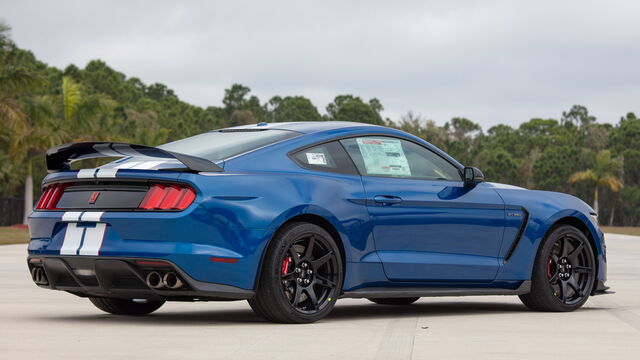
(106, 173)
(93, 240)
(147, 165)
(125, 149)
(111, 173)
(83, 240)
(72, 239)
(71, 216)
(104, 149)
(86, 173)
(127, 165)
(91, 216)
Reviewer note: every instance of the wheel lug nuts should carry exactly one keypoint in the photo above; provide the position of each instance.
(309, 271)
(297, 270)
(299, 280)
(306, 281)
(304, 265)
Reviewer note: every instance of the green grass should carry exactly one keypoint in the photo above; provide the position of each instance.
(13, 235)
(624, 230)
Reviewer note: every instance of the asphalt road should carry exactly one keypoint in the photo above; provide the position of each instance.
(43, 324)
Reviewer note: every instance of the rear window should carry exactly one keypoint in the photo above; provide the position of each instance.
(329, 157)
(219, 145)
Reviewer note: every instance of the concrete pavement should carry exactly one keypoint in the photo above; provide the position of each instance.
(42, 324)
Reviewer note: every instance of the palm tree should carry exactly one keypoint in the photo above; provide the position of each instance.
(52, 120)
(602, 174)
(80, 112)
(36, 133)
(15, 84)
(15, 81)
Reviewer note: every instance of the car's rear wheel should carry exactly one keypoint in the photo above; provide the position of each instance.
(564, 272)
(125, 306)
(395, 301)
(301, 276)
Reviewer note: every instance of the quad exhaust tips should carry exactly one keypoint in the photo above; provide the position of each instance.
(170, 280)
(154, 280)
(38, 276)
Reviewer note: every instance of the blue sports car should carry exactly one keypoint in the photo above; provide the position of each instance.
(294, 216)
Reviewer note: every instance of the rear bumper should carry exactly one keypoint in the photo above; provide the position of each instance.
(120, 277)
(189, 239)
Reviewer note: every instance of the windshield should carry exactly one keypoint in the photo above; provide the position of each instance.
(219, 145)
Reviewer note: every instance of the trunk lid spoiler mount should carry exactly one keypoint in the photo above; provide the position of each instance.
(59, 158)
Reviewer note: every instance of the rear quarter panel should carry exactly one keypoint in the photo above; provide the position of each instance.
(264, 201)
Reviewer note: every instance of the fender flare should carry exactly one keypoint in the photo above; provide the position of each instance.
(303, 210)
(308, 210)
(584, 219)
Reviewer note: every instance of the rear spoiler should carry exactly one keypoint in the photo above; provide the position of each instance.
(59, 158)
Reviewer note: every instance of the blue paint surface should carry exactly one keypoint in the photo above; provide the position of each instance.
(440, 233)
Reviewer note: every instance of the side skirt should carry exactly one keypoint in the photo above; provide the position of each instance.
(396, 292)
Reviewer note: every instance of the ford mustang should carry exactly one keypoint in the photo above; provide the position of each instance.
(294, 216)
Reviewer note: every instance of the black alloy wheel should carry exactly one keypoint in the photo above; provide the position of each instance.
(570, 269)
(564, 272)
(309, 273)
(301, 277)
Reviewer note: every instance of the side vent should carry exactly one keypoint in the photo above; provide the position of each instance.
(523, 226)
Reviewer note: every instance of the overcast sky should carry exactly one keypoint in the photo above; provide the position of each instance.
(491, 61)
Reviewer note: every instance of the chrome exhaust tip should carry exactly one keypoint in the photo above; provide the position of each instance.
(34, 274)
(172, 281)
(38, 276)
(154, 280)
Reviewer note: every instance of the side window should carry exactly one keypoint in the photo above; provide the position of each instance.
(329, 157)
(392, 157)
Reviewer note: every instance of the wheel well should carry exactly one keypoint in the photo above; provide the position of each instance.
(577, 223)
(324, 224)
(311, 219)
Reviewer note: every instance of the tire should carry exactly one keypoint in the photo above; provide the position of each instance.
(301, 276)
(125, 306)
(563, 273)
(395, 301)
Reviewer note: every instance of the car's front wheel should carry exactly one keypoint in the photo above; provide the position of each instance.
(125, 306)
(301, 276)
(564, 272)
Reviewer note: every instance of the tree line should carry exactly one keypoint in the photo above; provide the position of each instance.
(42, 106)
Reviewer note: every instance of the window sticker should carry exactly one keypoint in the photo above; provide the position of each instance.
(383, 157)
(316, 159)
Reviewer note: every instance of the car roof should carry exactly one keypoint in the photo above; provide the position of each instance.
(330, 129)
(306, 127)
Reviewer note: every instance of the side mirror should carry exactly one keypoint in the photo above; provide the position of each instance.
(472, 176)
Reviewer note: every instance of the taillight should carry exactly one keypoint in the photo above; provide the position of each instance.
(50, 197)
(167, 197)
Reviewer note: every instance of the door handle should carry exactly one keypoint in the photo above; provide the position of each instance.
(387, 199)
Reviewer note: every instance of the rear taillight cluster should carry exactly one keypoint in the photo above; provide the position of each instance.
(50, 197)
(167, 197)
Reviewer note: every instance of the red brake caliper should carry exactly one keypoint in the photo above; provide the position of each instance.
(549, 268)
(285, 265)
